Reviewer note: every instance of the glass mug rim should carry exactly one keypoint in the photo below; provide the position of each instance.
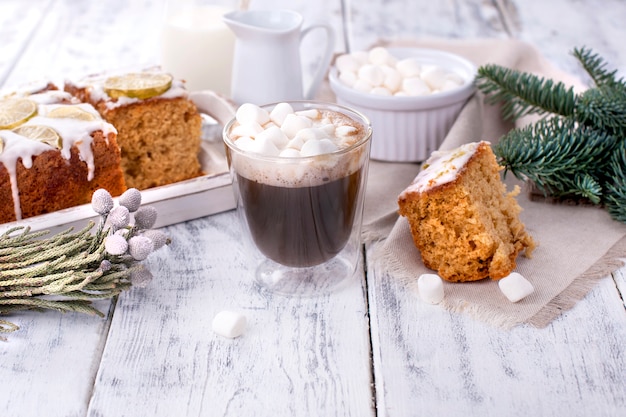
(347, 111)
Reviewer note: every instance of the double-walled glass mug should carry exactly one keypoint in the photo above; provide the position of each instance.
(302, 214)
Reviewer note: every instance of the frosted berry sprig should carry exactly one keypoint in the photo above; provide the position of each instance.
(78, 267)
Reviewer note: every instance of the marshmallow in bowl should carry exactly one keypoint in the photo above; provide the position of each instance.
(291, 134)
(379, 72)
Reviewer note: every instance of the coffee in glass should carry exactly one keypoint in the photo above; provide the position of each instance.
(299, 171)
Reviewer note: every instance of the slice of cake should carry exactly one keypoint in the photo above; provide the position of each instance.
(158, 127)
(464, 223)
(54, 153)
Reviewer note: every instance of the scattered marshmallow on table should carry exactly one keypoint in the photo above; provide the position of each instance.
(379, 72)
(229, 324)
(430, 287)
(515, 287)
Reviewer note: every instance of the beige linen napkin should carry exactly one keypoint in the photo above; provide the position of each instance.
(578, 245)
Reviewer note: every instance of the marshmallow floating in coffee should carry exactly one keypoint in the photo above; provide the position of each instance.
(291, 134)
(515, 287)
(379, 72)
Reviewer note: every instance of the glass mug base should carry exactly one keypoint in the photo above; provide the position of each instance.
(325, 278)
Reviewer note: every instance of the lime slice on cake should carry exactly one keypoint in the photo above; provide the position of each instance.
(15, 111)
(140, 85)
(70, 112)
(39, 133)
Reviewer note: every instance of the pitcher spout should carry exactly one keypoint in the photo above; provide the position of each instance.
(262, 21)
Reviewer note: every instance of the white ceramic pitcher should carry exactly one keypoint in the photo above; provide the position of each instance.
(267, 65)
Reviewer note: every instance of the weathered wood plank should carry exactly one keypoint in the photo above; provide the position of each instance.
(297, 357)
(78, 39)
(17, 26)
(559, 26)
(373, 20)
(431, 362)
(48, 365)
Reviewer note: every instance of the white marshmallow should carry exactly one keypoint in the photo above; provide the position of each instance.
(409, 67)
(515, 287)
(430, 287)
(249, 113)
(318, 147)
(393, 79)
(280, 112)
(400, 94)
(434, 76)
(246, 143)
(348, 78)
(295, 143)
(229, 324)
(250, 130)
(312, 114)
(372, 74)
(290, 153)
(449, 85)
(381, 91)
(265, 146)
(361, 57)
(294, 123)
(415, 86)
(311, 133)
(379, 56)
(345, 130)
(455, 78)
(363, 86)
(347, 63)
(329, 129)
(274, 134)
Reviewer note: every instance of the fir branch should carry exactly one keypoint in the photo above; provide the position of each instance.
(523, 93)
(558, 155)
(578, 147)
(615, 200)
(603, 108)
(595, 66)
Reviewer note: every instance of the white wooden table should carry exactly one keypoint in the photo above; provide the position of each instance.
(372, 349)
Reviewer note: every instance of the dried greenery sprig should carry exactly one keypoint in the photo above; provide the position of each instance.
(65, 272)
(579, 146)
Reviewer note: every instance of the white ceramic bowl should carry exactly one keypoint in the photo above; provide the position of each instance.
(410, 128)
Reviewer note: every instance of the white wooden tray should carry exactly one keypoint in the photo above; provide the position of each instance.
(186, 200)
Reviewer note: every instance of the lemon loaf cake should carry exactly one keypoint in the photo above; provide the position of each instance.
(462, 219)
(54, 153)
(158, 127)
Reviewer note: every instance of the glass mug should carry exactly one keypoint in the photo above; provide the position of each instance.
(302, 215)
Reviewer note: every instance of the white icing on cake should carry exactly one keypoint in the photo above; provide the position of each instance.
(441, 168)
(94, 87)
(52, 96)
(73, 132)
(15, 147)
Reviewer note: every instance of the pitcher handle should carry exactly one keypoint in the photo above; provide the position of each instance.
(325, 62)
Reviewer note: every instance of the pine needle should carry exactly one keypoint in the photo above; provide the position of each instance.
(522, 93)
